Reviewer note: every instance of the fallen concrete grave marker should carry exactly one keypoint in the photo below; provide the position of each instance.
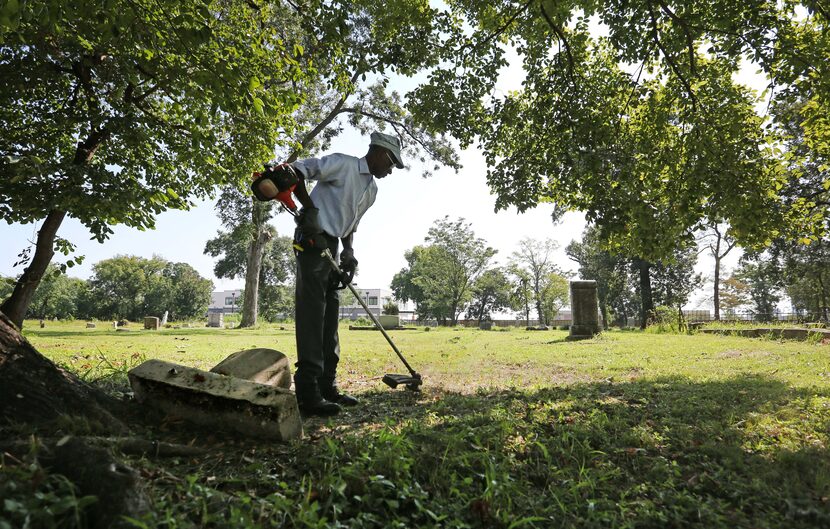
(218, 401)
(265, 366)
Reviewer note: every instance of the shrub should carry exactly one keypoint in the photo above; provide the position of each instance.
(666, 320)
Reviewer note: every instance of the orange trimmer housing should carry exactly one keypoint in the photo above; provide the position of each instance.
(284, 178)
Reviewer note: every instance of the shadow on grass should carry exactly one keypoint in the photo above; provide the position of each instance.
(669, 452)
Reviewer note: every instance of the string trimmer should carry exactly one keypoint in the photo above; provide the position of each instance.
(284, 179)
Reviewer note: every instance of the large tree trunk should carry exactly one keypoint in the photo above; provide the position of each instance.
(646, 300)
(17, 304)
(716, 298)
(716, 254)
(33, 390)
(603, 312)
(250, 304)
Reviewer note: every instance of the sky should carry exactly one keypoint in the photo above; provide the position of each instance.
(406, 206)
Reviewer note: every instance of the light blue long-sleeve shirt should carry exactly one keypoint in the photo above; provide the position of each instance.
(345, 189)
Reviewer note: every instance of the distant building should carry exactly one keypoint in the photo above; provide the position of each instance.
(226, 301)
(375, 299)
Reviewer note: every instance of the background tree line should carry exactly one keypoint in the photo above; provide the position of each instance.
(453, 271)
(123, 287)
(786, 271)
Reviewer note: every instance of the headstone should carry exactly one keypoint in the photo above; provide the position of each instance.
(389, 321)
(218, 401)
(151, 323)
(90, 325)
(216, 319)
(584, 310)
(265, 366)
(485, 325)
(164, 319)
(115, 325)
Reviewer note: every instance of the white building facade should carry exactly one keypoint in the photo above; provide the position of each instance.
(375, 299)
(226, 301)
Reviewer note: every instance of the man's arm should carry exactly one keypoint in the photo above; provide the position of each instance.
(347, 242)
(301, 192)
(347, 261)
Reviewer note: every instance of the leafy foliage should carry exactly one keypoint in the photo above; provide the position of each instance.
(441, 273)
(132, 287)
(58, 296)
(764, 280)
(121, 115)
(490, 293)
(734, 294)
(805, 275)
(32, 497)
(650, 152)
(609, 270)
(246, 221)
(546, 282)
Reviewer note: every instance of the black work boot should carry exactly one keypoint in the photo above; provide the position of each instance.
(330, 392)
(311, 403)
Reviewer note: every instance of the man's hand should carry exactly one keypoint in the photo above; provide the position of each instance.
(347, 261)
(308, 222)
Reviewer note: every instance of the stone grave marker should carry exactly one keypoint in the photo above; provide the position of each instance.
(216, 319)
(584, 310)
(151, 323)
(265, 366)
(218, 401)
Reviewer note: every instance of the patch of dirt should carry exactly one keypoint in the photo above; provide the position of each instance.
(632, 374)
(735, 353)
(732, 353)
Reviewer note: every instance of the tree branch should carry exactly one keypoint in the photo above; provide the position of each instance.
(393, 122)
(689, 38)
(672, 64)
(324, 123)
(560, 35)
(506, 25)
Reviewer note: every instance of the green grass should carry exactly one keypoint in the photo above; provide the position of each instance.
(513, 429)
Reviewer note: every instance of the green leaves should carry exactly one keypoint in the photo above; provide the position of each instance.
(440, 274)
(640, 129)
(149, 89)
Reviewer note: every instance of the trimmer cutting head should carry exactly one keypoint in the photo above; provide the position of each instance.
(412, 383)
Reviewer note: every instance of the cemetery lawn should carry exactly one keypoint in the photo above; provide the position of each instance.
(513, 429)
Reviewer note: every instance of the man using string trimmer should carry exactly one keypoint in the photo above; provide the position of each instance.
(344, 191)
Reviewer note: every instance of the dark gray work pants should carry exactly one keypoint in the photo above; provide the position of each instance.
(317, 312)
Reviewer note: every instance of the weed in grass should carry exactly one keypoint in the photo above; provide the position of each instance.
(34, 498)
(815, 338)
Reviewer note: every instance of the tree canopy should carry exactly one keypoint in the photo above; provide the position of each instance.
(131, 287)
(440, 275)
(644, 128)
(115, 114)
